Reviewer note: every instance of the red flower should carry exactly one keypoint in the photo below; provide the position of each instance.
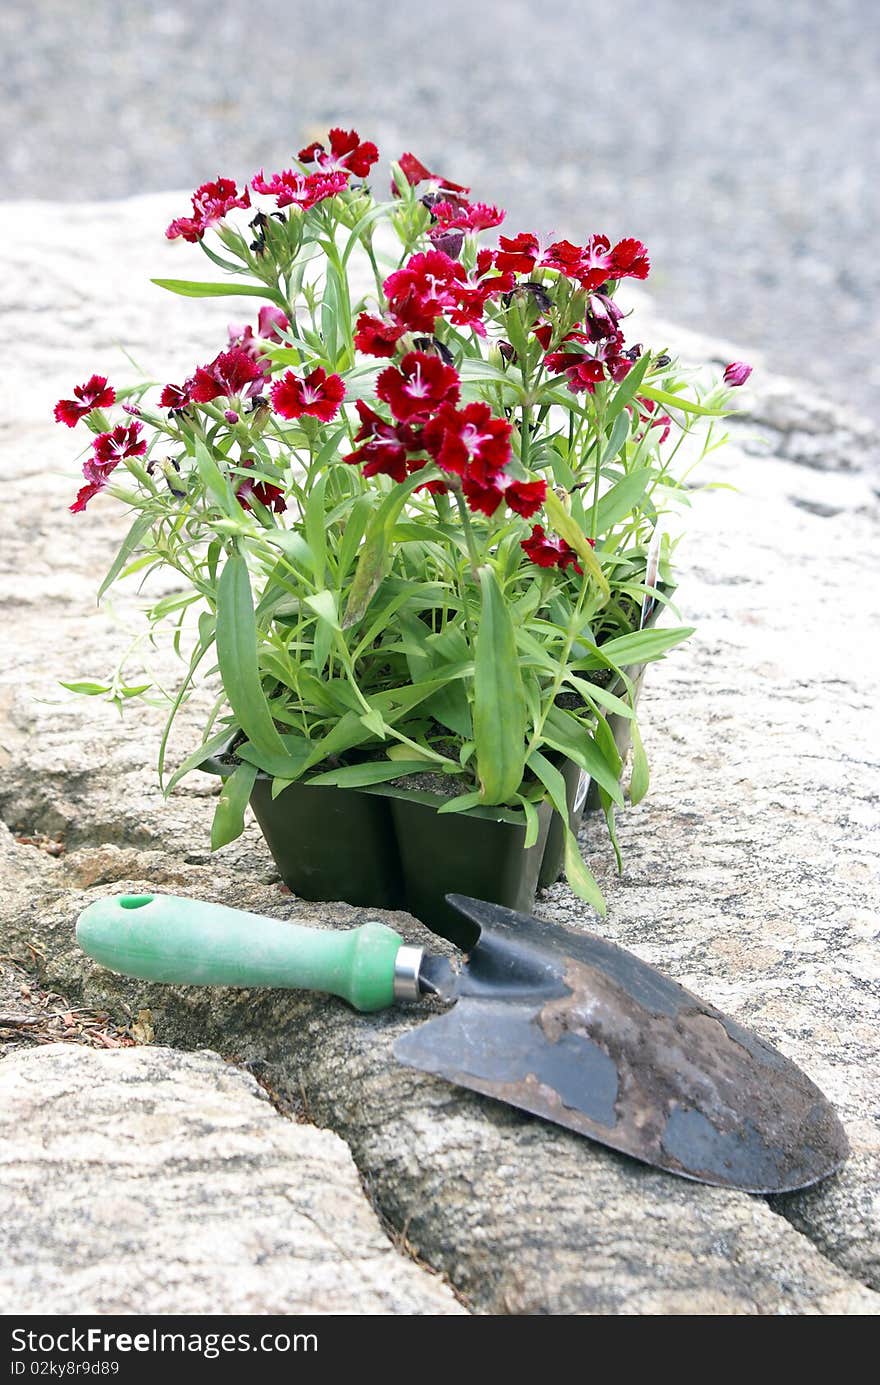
(424, 289)
(525, 497)
(386, 446)
(469, 441)
(377, 336)
(108, 450)
(648, 408)
(734, 374)
(602, 317)
(228, 374)
(177, 396)
(346, 152)
(419, 387)
(474, 292)
(584, 372)
(124, 441)
(271, 322)
(319, 395)
(414, 172)
(595, 263)
(548, 550)
(272, 497)
(94, 394)
(451, 220)
(210, 204)
(518, 253)
(303, 190)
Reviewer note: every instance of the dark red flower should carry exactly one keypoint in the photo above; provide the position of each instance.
(735, 374)
(425, 288)
(525, 497)
(450, 221)
(602, 317)
(346, 152)
(474, 292)
(210, 203)
(271, 322)
(377, 336)
(124, 441)
(596, 262)
(415, 172)
(228, 374)
(469, 440)
(304, 190)
(272, 497)
(94, 394)
(108, 450)
(386, 446)
(319, 395)
(177, 396)
(653, 418)
(421, 385)
(518, 253)
(548, 550)
(585, 372)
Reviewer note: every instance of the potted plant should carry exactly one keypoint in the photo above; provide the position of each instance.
(415, 515)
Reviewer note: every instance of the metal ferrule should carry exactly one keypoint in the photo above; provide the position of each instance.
(407, 965)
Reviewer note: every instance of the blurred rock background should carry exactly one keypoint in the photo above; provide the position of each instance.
(736, 140)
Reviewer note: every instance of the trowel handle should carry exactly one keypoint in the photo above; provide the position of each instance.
(165, 938)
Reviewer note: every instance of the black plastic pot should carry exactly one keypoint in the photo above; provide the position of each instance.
(388, 848)
(480, 853)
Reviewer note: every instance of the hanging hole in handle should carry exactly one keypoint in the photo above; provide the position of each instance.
(135, 901)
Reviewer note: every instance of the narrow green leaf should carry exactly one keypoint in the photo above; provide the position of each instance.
(191, 288)
(581, 880)
(375, 554)
(87, 689)
(499, 700)
(640, 778)
(373, 772)
(237, 656)
(197, 757)
(533, 823)
(678, 401)
(569, 529)
(215, 482)
(642, 646)
(564, 733)
(629, 387)
(617, 438)
(141, 526)
(619, 502)
(228, 820)
(461, 803)
(324, 605)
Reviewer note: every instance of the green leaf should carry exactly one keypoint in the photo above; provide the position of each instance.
(569, 529)
(461, 803)
(628, 388)
(619, 502)
(639, 779)
(324, 605)
(214, 481)
(288, 764)
(197, 757)
(373, 772)
(617, 438)
(87, 689)
(533, 822)
(228, 820)
(191, 288)
(237, 656)
(677, 401)
(642, 646)
(581, 880)
(565, 734)
(375, 555)
(141, 526)
(499, 700)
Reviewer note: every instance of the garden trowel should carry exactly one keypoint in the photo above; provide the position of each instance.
(554, 1021)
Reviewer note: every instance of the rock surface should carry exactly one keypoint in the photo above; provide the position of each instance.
(166, 1179)
(748, 871)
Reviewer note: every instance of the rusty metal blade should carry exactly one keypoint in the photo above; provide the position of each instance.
(569, 1027)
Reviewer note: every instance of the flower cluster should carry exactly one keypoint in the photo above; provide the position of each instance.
(387, 511)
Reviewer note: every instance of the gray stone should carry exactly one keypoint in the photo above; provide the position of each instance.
(151, 1181)
(748, 871)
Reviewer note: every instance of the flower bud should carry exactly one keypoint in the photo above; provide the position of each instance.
(737, 373)
(231, 416)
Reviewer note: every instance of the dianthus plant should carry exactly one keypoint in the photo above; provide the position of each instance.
(412, 504)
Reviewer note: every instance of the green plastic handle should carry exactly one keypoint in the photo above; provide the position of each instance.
(166, 938)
